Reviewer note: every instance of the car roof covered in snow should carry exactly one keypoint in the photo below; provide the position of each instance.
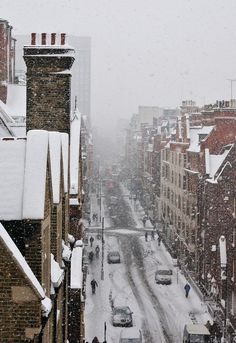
(197, 329)
(130, 333)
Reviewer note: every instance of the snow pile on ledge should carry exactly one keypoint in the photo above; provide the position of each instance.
(74, 202)
(66, 252)
(76, 275)
(71, 239)
(79, 243)
(57, 274)
(46, 306)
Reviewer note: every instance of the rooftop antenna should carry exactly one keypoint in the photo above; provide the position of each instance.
(231, 87)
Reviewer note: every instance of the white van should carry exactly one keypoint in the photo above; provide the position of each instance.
(196, 333)
(130, 335)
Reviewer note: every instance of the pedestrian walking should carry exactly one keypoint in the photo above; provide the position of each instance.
(153, 235)
(146, 236)
(93, 284)
(89, 221)
(91, 241)
(159, 240)
(187, 289)
(97, 251)
(144, 221)
(90, 256)
(95, 340)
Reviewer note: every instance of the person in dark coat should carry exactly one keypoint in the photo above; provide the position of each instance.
(91, 241)
(95, 340)
(93, 284)
(187, 289)
(146, 236)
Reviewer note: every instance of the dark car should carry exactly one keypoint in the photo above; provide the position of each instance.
(122, 316)
(113, 257)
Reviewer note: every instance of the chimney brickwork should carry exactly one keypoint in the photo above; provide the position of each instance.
(48, 83)
(7, 58)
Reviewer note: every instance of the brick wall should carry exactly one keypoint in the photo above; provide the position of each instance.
(223, 134)
(20, 308)
(75, 310)
(56, 232)
(48, 88)
(218, 219)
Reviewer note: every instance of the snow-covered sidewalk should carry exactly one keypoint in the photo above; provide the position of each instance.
(136, 209)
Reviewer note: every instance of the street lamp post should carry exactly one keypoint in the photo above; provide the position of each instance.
(223, 265)
(231, 88)
(102, 267)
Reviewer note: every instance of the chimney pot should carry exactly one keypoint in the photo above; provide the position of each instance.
(33, 38)
(53, 38)
(63, 38)
(44, 38)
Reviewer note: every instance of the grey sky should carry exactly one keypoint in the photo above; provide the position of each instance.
(144, 52)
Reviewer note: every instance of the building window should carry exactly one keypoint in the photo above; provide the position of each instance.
(179, 180)
(184, 181)
(180, 159)
(179, 202)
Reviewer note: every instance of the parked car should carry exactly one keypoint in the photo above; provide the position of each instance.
(163, 275)
(130, 335)
(196, 333)
(122, 316)
(113, 257)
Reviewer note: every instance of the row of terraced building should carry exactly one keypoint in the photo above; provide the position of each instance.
(185, 178)
(41, 196)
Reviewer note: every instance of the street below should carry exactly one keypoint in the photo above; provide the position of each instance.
(159, 311)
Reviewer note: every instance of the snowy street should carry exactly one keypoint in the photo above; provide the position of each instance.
(160, 311)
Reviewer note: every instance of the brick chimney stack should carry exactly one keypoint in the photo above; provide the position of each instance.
(48, 83)
(7, 58)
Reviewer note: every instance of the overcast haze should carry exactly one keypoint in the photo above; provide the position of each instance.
(144, 52)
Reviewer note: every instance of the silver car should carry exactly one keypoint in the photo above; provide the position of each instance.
(163, 275)
(122, 316)
(113, 257)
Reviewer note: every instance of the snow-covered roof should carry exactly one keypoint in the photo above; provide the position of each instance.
(197, 329)
(194, 134)
(16, 100)
(35, 174)
(5, 121)
(76, 275)
(74, 152)
(12, 167)
(18, 129)
(23, 169)
(57, 274)
(215, 161)
(55, 160)
(21, 262)
(65, 158)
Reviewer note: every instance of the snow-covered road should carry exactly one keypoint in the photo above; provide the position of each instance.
(160, 311)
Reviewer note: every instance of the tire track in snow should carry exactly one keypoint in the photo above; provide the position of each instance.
(132, 251)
